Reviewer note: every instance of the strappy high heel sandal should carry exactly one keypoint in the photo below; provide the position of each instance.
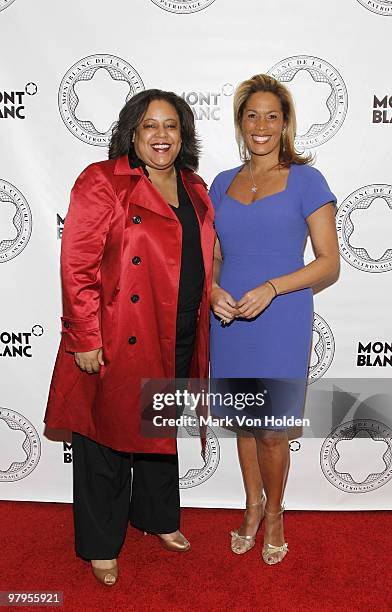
(107, 577)
(241, 544)
(274, 554)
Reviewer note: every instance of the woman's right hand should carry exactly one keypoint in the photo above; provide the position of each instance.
(223, 304)
(90, 361)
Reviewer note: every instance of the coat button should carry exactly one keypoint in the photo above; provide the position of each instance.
(136, 219)
(66, 324)
(135, 298)
(132, 340)
(136, 260)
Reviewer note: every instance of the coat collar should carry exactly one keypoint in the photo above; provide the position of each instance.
(144, 194)
(197, 191)
(122, 167)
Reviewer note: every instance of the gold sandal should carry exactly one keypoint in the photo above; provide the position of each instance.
(241, 544)
(274, 554)
(107, 577)
(177, 544)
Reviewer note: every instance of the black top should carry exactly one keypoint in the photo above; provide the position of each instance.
(192, 266)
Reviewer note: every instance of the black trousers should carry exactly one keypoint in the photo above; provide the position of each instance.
(106, 496)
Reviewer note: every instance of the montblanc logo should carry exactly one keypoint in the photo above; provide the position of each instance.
(91, 94)
(207, 105)
(294, 446)
(13, 103)
(60, 226)
(341, 450)
(382, 7)
(5, 4)
(323, 349)
(328, 114)
(183, 6)
(19, 343)
(374, 354)
(195, 476)
(382, 109)
(362, 221)
(16, 221)
(20, 446)
(67, 452)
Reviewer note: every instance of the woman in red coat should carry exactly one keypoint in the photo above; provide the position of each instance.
(136, 265)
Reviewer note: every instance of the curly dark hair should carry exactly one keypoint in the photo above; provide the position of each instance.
(132, 114)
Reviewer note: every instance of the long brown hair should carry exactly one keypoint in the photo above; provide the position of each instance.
(265, 83)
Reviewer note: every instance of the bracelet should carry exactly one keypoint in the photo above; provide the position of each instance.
(273, 287)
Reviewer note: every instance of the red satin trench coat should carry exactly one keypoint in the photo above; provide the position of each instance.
(121, 238)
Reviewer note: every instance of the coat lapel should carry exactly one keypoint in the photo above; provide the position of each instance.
(143, 193)
(196, 189)
(146, 196)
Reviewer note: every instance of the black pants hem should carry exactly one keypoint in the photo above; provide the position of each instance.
(156, 529)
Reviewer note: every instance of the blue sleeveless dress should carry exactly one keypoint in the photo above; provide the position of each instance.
(260, 241)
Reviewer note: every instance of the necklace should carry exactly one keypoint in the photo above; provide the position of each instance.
(254, 186)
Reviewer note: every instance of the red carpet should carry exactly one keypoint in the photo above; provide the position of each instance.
(337, 561)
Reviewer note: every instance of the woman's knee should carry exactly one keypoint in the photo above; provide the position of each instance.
(272, 439)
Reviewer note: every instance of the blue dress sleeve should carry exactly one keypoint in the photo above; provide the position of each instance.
(215, 192)
(316, 191)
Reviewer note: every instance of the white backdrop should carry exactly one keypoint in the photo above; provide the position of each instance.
(66, 68)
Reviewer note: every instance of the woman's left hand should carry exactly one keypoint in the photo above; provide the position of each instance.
(255, 301)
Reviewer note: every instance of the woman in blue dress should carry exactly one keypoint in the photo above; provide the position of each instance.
(262, 298)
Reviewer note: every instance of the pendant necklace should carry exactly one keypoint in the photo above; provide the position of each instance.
(254, 186)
